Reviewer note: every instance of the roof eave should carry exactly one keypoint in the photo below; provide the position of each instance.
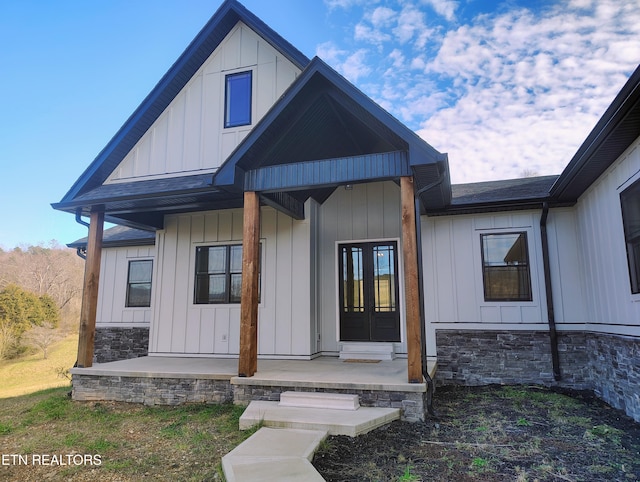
(626, 102)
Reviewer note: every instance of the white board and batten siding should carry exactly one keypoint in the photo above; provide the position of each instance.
(453, 281)
(112, 295)
(366, 212)
(189, 136)
(611, 306)
(286, 309)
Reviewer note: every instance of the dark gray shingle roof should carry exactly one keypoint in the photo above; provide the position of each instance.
(121, 236)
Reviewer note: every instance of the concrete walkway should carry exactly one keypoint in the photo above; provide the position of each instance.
(285, 453)
(277, 455)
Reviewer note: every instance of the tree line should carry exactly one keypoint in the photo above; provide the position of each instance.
(40, 296)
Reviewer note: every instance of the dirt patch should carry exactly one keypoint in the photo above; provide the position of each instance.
(494, 434)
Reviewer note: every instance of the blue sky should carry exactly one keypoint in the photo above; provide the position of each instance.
(504, 87)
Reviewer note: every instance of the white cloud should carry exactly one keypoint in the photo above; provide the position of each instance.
(382, 17)
(411, 25)
(355, 66)
(528, 88)
(352, 65)
(502, 92)
(446, 8)
(365, 33)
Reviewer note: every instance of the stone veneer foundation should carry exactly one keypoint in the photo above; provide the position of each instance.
(151, 390)
(113, 344)
(412, 405)
(174, 391)
(607, 364)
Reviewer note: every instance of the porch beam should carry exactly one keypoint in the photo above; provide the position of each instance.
(90, 291)
(248, 361)
(328, 172)
(411, 285)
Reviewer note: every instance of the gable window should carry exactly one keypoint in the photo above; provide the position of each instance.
(139, 284)
(218, 274)
(630, 201)
(237, 99)
(505, 267)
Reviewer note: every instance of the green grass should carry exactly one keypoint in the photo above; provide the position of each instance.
(183, 442)
(407, 476)
(33, 373)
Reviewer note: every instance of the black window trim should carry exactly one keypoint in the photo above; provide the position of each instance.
(228, 273)
(227, 124)
(528, 266)
(129, 284)
(633, 190)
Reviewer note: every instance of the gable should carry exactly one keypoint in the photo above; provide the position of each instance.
(324, 133)
(189, 137)
(180, 73)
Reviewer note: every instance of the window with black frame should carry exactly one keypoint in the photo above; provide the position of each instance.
(505, 267)
(139, 283)
(630, 202)
(218, 274)
(237, 99)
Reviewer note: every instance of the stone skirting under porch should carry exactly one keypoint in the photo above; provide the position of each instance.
(155, 380)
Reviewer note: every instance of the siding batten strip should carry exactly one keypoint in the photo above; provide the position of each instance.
(412, 296)
(90, 291)
(248, 362)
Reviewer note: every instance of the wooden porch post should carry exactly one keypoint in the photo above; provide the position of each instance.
(90, 291)
(248, 362)
(411, 287)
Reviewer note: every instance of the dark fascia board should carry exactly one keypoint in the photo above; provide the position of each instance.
(227, 174)
(120, 236)
(627, 99)
(491, 207)
(198, 51)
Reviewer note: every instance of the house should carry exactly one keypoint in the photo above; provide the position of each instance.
(272, 217)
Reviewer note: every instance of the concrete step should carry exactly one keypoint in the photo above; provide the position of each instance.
(274, 455)
(367, 351)
(334, 401)
(335, 422)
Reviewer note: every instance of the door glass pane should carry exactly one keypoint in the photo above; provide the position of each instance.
(384, 291)
(352, 278)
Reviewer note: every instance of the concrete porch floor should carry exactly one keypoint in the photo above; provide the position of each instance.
(322, 372)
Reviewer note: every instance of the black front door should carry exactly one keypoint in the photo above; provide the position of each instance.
(369, 292)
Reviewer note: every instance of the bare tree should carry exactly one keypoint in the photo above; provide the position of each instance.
(49, 269)
(43, 337)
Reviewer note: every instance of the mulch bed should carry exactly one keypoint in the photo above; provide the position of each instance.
(494, 434)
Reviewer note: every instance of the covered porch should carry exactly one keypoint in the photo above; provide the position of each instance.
(157, 380)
